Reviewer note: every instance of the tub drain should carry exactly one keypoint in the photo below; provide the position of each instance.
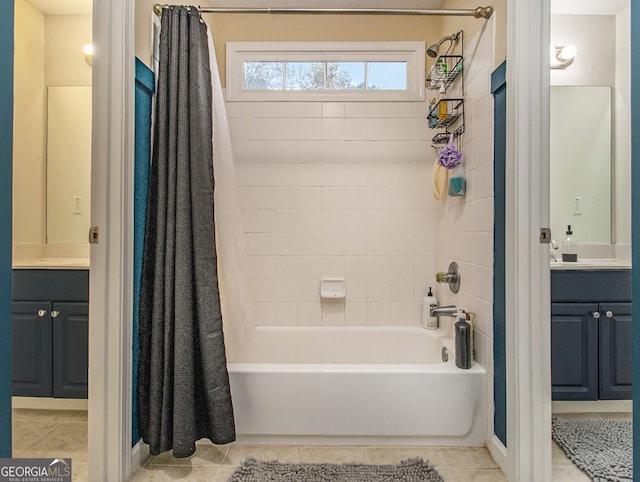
(445, 354)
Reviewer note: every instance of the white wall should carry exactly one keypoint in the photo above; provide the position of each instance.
(48, 52)
(603, 58)
(464, 225)
(29, 121)
(622, 137)
(595, 38)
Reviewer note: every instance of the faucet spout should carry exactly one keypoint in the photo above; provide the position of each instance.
(450, 310)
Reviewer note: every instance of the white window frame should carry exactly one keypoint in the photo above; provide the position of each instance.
(413, 53)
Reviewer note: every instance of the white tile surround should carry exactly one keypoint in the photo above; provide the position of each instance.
(341, 189)
(465, 224)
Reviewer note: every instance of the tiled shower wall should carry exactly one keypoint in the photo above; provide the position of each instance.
(465, 224)
(341, 190)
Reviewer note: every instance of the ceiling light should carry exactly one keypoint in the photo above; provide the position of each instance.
(88, 53)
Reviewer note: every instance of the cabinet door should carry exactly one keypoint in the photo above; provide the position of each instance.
(31, 345)
(574, 351)
(70, 349)
(615, 351)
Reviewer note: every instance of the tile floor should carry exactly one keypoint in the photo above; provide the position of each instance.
(47, 433)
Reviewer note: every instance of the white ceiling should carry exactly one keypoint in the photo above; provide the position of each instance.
(63, 7)
(588, 7)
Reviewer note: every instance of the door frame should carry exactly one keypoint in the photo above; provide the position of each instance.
(528, 332)
(111, 280)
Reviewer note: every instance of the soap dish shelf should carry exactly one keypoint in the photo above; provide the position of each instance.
(444, 71)
(455, 110)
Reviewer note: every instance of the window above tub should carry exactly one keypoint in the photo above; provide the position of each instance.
(317, 71)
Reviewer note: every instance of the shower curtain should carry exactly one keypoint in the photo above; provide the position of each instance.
(183, 384)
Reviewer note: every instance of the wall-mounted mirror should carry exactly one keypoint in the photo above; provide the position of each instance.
(68, 164)
(580, 141)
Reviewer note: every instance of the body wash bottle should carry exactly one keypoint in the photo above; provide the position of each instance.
(429, 302)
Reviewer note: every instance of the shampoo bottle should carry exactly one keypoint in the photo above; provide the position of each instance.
(464, 341)
(428, 303)
(569, 247)
(442, 104)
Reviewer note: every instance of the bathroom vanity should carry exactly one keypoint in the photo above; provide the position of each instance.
(591, 331)
(50, 328)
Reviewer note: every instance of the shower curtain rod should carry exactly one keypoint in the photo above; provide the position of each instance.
(479, 12)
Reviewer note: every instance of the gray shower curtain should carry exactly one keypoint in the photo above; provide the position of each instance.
(183, 384)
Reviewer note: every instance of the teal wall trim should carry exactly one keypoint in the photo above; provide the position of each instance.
(6, 168)
(143, 97)
(499, 91)
(635, 226)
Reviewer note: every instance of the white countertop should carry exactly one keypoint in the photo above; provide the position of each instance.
(592, 263)
(51, 263)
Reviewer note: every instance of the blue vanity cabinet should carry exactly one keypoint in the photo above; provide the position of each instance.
(50, 333)
(591, 327)
(615, 351)
(31, 339)
(574, 351)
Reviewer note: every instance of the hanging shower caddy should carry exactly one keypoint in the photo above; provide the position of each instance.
(450, 116)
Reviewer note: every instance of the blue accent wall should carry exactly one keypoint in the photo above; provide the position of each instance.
(6, 169)
(143, 97)
(499, 91)
(635, 226)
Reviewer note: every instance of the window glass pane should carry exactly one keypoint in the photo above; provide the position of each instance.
(345, 75)
(387, 76)
(263, 75)
(305, 75)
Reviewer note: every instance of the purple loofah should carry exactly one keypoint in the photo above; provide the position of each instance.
(449, 156)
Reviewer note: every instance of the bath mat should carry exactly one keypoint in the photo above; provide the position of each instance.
(602, 448)
(410, 470)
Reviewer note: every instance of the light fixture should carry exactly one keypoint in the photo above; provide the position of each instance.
(88, 53)
(432, 51)
(562, 57)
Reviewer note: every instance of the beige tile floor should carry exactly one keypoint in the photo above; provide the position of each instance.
(53, 433)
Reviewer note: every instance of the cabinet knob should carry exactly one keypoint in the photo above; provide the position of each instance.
(596, 314)
(54, 314)
(42, 313)
(609, 314)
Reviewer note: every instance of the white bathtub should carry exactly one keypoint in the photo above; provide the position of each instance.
(381, 386)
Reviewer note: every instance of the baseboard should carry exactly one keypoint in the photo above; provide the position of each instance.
(45, 403)
(592, 406)
(499, 453)
(139, 455)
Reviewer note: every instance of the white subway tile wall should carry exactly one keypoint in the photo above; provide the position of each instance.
(464, 225)
(336, 190)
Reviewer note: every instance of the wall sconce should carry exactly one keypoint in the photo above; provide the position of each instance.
(562, 57)
(88, 53)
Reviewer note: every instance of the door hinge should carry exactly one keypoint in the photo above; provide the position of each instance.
(545, 235)
(94, 235)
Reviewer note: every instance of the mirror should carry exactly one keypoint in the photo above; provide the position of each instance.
(580, 163)
(68, 164)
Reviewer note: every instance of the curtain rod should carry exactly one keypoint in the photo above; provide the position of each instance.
(479, 12)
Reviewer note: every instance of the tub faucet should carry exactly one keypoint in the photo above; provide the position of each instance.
(443, 310)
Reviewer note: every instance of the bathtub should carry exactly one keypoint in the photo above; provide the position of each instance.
(357, 385)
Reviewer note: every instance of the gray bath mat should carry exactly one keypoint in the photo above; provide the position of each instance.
(411, 470)
(602, 448)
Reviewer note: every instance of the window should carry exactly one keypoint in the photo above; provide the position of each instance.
(313, 71)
